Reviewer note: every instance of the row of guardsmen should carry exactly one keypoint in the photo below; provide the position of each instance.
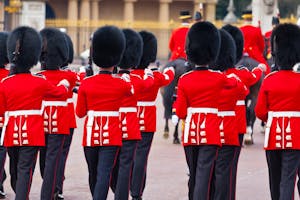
(38, 112)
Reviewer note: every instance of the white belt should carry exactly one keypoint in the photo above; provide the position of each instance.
(55, 103)
(70, 100)
(16, 113)
(226, 113)
(128, 109)
(271, 115)
(240, 103)
(91, 115)
(146, 103)
(190, 112)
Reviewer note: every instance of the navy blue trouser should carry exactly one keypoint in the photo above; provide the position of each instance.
(221, 184)
(235, 166)
(2, 163)
(49, 159)
(22, 165)
(60, 175)
(120, 183)
(139, 171)
(283, 167)
(200, 160)
(100, 161)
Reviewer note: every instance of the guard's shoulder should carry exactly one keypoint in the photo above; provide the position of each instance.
(186, 74)
(215, 71)
(38, 75)
(241, 67)
(88, 77)
(270, 74)
(6, 78)
(135, 75)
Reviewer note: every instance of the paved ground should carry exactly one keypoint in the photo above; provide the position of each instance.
(167, 171)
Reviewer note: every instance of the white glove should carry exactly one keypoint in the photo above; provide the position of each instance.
(126, 77)
(175, 119)
(64, 82)
(82, 69)
(263, 67)
(147, 72)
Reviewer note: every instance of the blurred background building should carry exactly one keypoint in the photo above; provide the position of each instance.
(79, 18)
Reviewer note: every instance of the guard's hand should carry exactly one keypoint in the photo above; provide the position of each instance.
(175, 119)
(126, 77)
(263, 67)
(147, 73)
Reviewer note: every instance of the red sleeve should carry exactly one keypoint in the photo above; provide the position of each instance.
(165, 78)
(261, 108)
(181, 102)
(81, 106)
(171, 42)
(257, 73)
(141, 85)
(55, 91)
(2, 101)
(260, 41)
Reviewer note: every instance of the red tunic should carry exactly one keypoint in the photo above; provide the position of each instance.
(254, 44)
(21, 95)
(3, 73)
(177, 42)
(226, 112)
(197, 102)
(58, 118)
(248, 78)
(128, 111)
(146, 99)
(280, 94)
(100, 97)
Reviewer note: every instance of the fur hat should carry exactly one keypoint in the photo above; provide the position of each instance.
(70, 48)
(55, 51)
(149, 49)
(24, 47)
(3, 49)
(133, 50)
(202, 43)
(238, 37)
(108, 45)
(227, 54)
(285, 40)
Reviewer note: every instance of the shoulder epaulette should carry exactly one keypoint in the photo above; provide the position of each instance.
(187, 73)
(87, 77)
(135, 75)
(216, 71)
(39, 76)
(5, 78)
(241, 67)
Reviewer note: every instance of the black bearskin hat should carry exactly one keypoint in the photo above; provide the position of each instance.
(285, 40)
(24, 47)
(133, 50)
(3, 49)
(55, 51)
(227, 54)
(108, 45)
(70, 48)
(149, 49)
(202, 43)
(238, 37)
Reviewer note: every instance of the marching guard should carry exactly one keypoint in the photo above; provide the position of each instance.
(60, 175)
(56, 113)
(197, 102)
(147, 112)
(3, 73)
(221, 187)
(102, 136)
(278, 105)
(21, 96)
(128, 114)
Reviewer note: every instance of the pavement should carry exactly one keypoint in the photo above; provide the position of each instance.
(167, 170)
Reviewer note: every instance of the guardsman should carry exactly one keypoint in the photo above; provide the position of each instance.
(197, 102)
(128, 114)
(56, 113)
(278, 105)
(248, 78)
(253, 40)
(21, 99)
(3, 73)
(147, 112)
(267, 36)
(221, 186)
(60, 175)
(177, 40)
(102, 136)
